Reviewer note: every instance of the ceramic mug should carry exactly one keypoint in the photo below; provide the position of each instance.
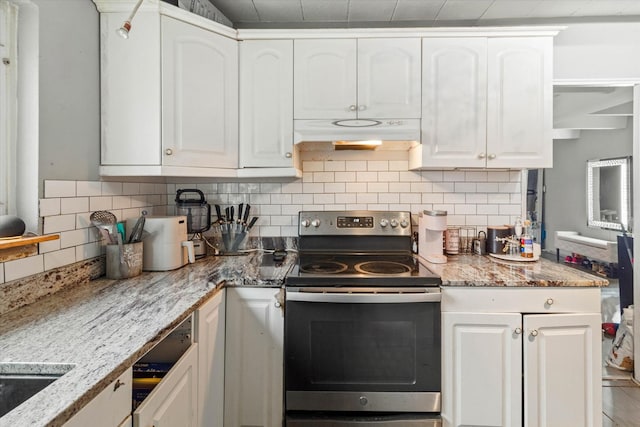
(452, 241)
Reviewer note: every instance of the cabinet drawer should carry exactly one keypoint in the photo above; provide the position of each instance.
(109, 408)
(521, 300)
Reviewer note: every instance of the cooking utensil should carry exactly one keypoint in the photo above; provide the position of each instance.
(240, 212)
(252, 223)
(105, 220)
(136, 232)
(246, 214)
(192, 204)
(218, 213)
(121, 249)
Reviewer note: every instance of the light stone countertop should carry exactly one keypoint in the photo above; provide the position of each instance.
(104, 326)
(476, 271)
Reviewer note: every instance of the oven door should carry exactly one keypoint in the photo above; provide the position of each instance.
(375, 350)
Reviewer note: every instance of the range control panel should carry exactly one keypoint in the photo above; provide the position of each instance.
(355, 223)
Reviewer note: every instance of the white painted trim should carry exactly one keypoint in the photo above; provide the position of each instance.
(636, 226)
(253, 34)
(596, 82)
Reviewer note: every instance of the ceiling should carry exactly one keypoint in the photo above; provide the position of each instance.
(426, 13)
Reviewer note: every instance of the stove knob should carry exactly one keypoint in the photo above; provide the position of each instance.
(305, 223)
(404, 223)
(315, 223)
(394, 223)
(384, 223)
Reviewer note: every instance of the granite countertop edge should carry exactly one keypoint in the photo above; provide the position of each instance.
(120, 321)
(115, 322)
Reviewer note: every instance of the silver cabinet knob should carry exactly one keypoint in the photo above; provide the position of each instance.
(482, 155)
(517, 331)
(288, 155)
(491, 156)
(352, 108)
(277, 304)
(534, 333)
(362, 107)
(168, 151)
(549, 301)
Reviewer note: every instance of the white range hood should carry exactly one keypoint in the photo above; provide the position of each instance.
(388, 134)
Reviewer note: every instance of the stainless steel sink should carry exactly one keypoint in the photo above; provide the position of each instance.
(20, 381)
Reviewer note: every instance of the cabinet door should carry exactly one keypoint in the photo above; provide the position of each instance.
(454, 102)
(210, 325)
(481, 369)
(199, 97)
(389, 78)
(107, 409)
(520, 102)
(266, 103)
(562, 370)
(325, 79)
(173, 401)
(253, 364)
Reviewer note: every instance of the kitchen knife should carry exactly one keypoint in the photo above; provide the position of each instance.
(232, 209)
(240, 212)
(253, 221)
(246, 214)
(219, 213)
(226, 214)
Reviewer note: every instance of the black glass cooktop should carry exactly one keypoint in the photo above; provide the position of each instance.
(371, 270)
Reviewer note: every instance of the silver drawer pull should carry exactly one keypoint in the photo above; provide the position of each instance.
(549, 301)
(517, 331)
(534, 333)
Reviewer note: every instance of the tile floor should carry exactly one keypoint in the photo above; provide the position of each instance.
(620, 395)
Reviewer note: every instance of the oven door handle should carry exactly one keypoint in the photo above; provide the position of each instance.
(364, 298)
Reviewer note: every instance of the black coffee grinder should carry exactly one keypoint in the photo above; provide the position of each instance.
(192, 204)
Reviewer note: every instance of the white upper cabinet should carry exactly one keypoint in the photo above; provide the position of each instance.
(266, 103)
(520, 113)
(454, 110)
(199, 97)
(169, 94)
(486, 103)
(365, 78)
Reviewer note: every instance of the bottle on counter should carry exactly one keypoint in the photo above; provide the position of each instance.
(526, 242)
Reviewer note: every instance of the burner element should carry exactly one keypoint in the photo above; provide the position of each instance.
(324, 267)
(382, 268)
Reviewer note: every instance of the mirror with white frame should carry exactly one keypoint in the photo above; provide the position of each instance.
(609, 193)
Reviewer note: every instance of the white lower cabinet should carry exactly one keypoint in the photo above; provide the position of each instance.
(109, 408)
(254, 358)
(210, 325)
(513, 357)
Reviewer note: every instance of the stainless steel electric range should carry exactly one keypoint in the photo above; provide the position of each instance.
(362, 324)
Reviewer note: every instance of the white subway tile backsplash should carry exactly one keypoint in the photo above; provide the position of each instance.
(433, 176)
(476, 176)
(281, 199)
(398, 165)
(499, 198)
(476, 198)
(121, 202)
(289, 231)
(378, 187)
(266, 210)
(76, 237)
(59, 189)
(49, 246)
(307, 176)
(292, 187)
(443, 187)
(148, 188)
(378, 207)
(498, 176)
(487, 187)
(335, 166)
(50, 207)
(1, 273)
(432, 198)
(323, 177)
(393, 198)
(335, 187)
(88, 251)
(24, 267)
(392, 176)
(378, 165)
(58, 223)
(420, 187)
(111, 188)
(133, 188)
(356, 206)
(269, 231)
(74, 205)
(270, 188)
(498, 219)
(510, 210)
(312, 166)
(465, 209)
(488, 209)
(291, 209)
(364, 198)
(455, 198)
(356, 165)
(478, 220)
(465, 187)
(410, 198)
(410, 176)
(323, 199)
(356, 187)
(59, 258)
(260, 199)
(281, 220)
(454, 176)
(509, 187)
(345, 176)
(346, 198)
(316, 187)
(100, 203)
(367, 176)
(302, 199)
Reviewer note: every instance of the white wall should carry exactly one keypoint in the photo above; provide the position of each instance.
(565, 199)
(598, 51)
